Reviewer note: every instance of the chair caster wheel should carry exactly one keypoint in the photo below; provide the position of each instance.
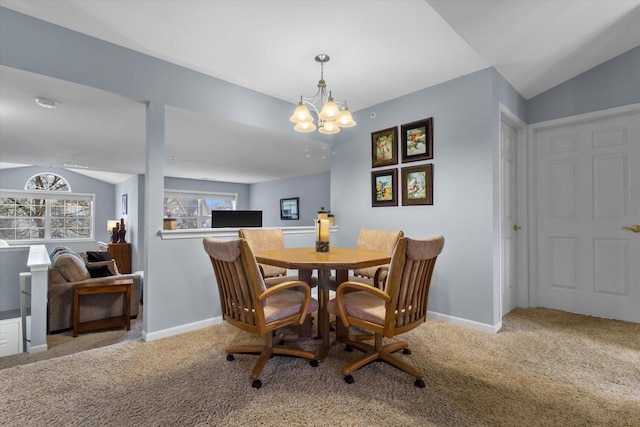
(314, 363)
(348, 348)
(230, 357)
(256, 384)
(406, 351)
(349, 379)
(419, 383)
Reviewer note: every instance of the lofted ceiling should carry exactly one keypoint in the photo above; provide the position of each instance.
(380, 50)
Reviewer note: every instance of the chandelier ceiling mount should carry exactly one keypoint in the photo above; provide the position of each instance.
(331, 115)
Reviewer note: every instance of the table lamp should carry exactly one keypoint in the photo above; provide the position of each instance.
(322, 235)
(112, 225)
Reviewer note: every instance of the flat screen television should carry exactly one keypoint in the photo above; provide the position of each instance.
(221, 219)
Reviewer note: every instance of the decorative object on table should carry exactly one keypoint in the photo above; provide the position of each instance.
(332, 218)
(289, 208)
(417, 140)
(417, 185)
(125, 204)
(383, 188)
(169, 223)
(112, 226)
(323, 214)
(332, 115)
(122, 232)
(384, 147)
(322, 235)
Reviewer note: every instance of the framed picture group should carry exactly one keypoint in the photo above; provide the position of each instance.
(415, 182)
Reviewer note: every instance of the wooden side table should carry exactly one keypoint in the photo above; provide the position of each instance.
(121, 252)
(117, 286)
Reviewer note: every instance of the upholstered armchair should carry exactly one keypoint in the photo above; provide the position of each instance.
(249, 305)
(398, 308)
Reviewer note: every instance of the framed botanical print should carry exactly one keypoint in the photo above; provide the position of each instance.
(383, 188)
(417, 140)
(384, 147)
(417, 185)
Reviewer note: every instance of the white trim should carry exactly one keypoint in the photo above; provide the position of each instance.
(177, 330)
(585, 117)
(199, 233)
(465, 322)
(522, 199)
(38, 348)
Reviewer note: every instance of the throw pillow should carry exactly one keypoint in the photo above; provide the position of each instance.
(100, 271)
(96, 256)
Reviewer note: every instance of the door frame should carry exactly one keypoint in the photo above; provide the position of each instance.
(534, 128)
(521, 267)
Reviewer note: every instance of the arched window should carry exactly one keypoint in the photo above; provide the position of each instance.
(47, 181)
(46, 210)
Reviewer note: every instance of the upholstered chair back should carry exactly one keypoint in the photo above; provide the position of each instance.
(264, 239)
(380, 240)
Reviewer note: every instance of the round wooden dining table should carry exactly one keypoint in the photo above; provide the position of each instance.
(306, 259)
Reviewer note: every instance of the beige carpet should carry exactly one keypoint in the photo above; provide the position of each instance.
(545, 368)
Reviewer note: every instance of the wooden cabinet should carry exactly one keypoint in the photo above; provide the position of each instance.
(121, 252)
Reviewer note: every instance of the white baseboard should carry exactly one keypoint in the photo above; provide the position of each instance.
(38, 348)
(465, 322)
(177, 330)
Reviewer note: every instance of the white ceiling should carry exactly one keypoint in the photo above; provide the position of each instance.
(379, 50)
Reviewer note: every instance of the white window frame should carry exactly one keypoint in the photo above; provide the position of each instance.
(203, 219)
(53, 195)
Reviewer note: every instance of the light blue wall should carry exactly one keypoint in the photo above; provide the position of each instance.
(464, 150)
(13, 261)
(312, 190)
(611, 84)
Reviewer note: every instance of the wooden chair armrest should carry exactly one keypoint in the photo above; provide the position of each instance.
(342, 312)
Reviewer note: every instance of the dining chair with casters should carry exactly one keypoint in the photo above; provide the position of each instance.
(249, 305)
(399, 308)
(380, 240)
(265, 239)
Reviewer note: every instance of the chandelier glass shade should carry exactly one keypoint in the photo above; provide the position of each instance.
(331, 115)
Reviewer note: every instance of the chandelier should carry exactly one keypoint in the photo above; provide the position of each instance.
(331, 115)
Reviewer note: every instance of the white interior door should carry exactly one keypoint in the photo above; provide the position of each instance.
(588, 189)
(508, 185)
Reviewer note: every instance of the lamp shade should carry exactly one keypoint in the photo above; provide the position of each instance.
(330, 110)
(111, 224)
(329, 127)
(305, 127)
(345, 120)
(301, 114)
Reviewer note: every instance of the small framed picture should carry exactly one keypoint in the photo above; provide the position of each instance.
(417, 185)
(383, 188)
(289, 208)
(384, 147)
(417, 140)
(125, 207)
